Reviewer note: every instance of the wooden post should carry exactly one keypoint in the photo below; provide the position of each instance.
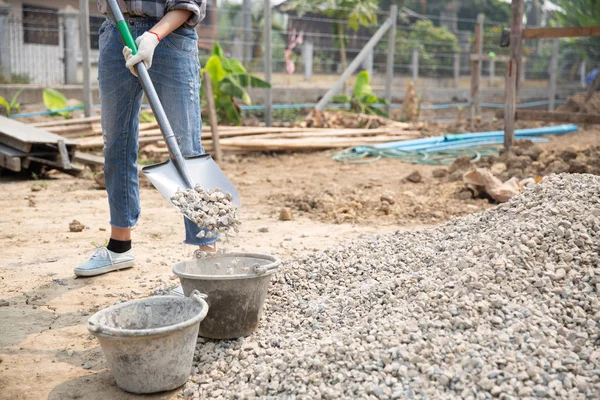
(553, 73)
(268, 61)
(84, 37)
(212, 117)
(511, 86)
(389, 66)
(415, 65)
(456, 69)
(476, 69)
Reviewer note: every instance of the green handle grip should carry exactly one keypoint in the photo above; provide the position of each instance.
(126, 36)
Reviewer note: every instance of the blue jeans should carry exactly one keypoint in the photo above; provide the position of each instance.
(175, 72)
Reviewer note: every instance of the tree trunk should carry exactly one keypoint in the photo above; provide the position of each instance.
(342, 50)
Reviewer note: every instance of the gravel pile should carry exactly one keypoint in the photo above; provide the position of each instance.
(502, 303)
(213, 210)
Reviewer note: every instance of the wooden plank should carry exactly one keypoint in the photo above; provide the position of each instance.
(336, 133)
(88, 159)
(28, 134)
(68, 128)
(62, 122)
(556, 33)
(553, 116)
(303, 144)
(64, 155)
(72, 170)
(14, 143)
(212, 116)
(11, 158)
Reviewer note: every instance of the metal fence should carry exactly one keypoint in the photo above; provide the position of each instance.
(437, 60)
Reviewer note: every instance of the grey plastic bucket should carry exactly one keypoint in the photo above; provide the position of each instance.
(149, 344)
(235, 284)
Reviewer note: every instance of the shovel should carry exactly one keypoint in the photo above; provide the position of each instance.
(178, 171)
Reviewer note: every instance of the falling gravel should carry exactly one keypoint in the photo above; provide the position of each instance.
(212, 210)
(502, 303)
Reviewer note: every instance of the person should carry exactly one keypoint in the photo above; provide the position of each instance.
(591, 77)
(167, 45)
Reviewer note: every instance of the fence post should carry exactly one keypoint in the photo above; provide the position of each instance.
(5, 43)
(69, 15)
(456, 69)
(476, 69)
(582, 73)
(307, 59)
(84, 30)
(268, 60)
(389, 67)
(368, 63)
(247, 29)
(237, 50)
(553, 75)
(511, 85)
(415, 65)
(492, 64)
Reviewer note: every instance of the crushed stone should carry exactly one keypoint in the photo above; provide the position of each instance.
(212, 210)
(502, 303)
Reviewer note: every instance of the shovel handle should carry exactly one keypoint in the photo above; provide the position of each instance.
(152, 96)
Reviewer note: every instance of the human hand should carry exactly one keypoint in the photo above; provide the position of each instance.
(146, 44)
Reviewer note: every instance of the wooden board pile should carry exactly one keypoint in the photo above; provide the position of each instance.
(25, 147)
(248, 139)
(363, 130)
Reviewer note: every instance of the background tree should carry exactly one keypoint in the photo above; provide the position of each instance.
(354, 13)
(578, 13)
(436, 46)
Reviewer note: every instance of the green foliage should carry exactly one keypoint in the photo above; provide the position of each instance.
(15, 78)
(229, 81)
(146, 117)
(55, 100)
(363, 99)
(12, 105)
(435, 45)
(497, 10)
(578, 13)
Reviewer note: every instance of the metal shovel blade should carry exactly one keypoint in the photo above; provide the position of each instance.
(203, 171)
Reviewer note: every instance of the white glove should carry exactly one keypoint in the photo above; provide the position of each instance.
(146, 45)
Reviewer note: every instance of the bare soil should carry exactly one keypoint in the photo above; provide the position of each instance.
(45, 349)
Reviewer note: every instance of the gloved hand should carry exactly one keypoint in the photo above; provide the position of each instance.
(146, 45)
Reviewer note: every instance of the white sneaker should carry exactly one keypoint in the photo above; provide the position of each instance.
(104, 261)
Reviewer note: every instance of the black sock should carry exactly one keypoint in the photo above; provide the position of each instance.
(119, 246)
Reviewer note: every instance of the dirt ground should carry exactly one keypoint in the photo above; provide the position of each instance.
(45, 348)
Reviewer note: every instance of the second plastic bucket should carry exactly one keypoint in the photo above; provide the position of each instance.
(235, 284)
(149, 344)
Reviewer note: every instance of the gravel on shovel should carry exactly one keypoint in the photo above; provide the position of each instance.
(502, 303)
(212, 210)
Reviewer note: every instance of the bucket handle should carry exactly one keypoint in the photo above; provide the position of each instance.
(201, 298)
(261, 270)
